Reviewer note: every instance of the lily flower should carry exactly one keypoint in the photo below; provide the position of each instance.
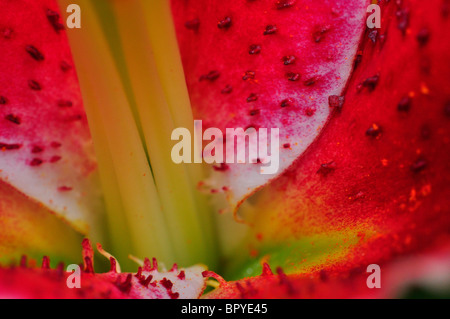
(90, 96)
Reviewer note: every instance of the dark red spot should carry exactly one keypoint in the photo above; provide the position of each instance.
(181, 275)
(402, 20)
(192, 24)
(445, 9)
(286, 145)
(36, 162)
(371, 83)
(211, 76)
(34, 85)
(125, 286)
(9, 147)
(310, 81)
(419, 165)
(254, 112)
(323, 275)
(3, 100)
(37, 149)
(326, 168)
(287, 102)
(76, 117)
(425, 64)
(7, 33)
(221, 168)
(13, 118)
(291, 76)
(35, 53)
(374, 131)
(252, 98)
(373, 34)
(242, 290)
(248, 75)
(447, 109)
(65, 66)
(55, 144)
(64, 188)
(55, 159)
(336, 102)
(54, 19)
(288, 59)
(319, 32)
(166, 283)
(270, 29)
(285, 281)
(310, 111)
(405, 104)
(174, 295)
(425, 132)
(254, 49)
(65, 103)
(358, 58)
(423, 36)
(284, 4)
(227, 89)
(225, 23)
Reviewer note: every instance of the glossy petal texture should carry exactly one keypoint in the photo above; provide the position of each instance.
(266, 64)
(46, 148)
(425, 270)
(375, 186)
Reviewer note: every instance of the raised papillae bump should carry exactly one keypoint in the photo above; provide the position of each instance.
(45, 262)
(227, 89)
(284, 4)
(36, 162)
(291, 76)
(248, 75)
(225, 23)
(192, 24)
(266, 271)
(287, 102)
(336, 102)
(374, 131)
(252, 98)
(423, 36)
(254, 49)
(211, 76)
(7, 33)
(405, 104)
(64, 66)
(54, 19)
(270, 29)
(34, 53)
(288, 59)
(34, 85)
(419, 165)
(13, 119)
(9, 147)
